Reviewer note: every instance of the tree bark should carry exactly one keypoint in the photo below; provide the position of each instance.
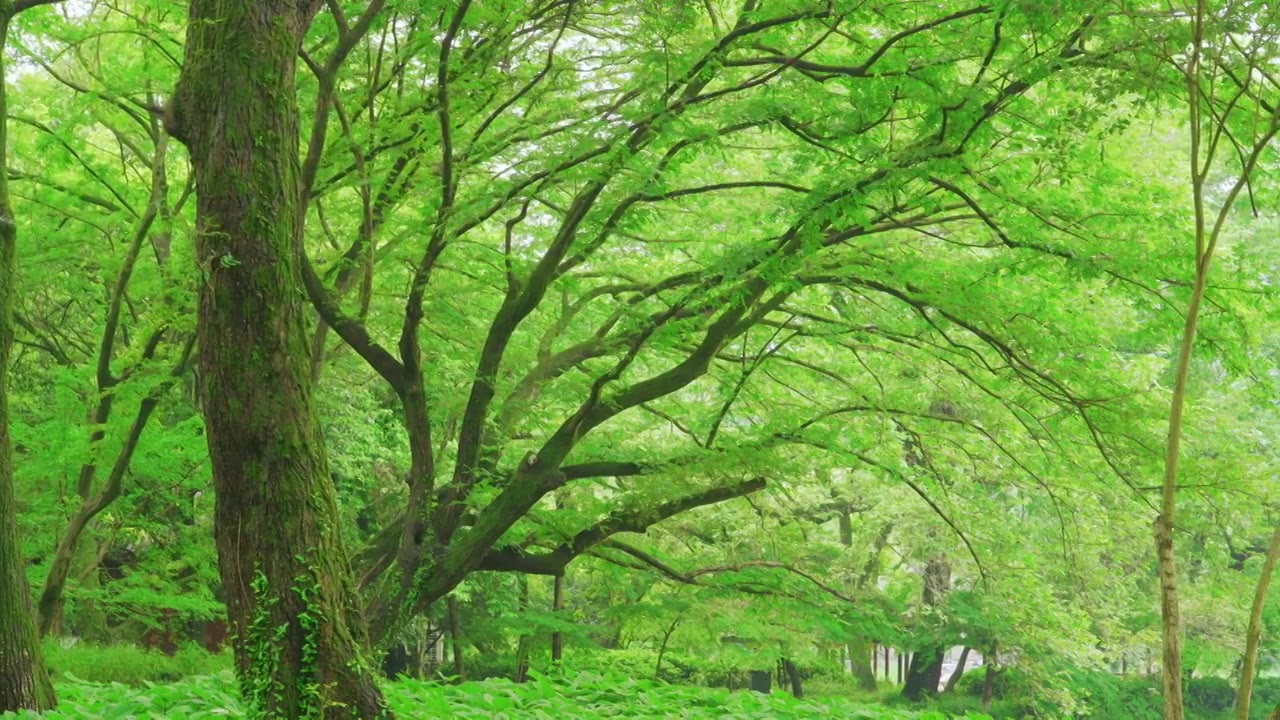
(24, 683)
(1249, 669)
(300, 637)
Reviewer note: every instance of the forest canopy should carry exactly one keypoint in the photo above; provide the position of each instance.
(729, 334)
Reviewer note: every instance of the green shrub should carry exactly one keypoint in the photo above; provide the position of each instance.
(1099, 695)
(491, 665)
(1009, 682)
(130, 665)
(1209, 694)
(1265, 696)
(1111, 697)
(637, 664)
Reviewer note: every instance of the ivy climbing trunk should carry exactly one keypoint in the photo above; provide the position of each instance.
(24, 683)
(300, 637)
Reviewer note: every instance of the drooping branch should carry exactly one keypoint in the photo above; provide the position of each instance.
(694, 577)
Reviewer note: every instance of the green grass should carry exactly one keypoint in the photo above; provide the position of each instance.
(572, 697)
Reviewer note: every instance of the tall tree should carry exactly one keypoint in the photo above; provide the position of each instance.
(1235, 115)
(24, 683)
(300, 636)
(661, 316)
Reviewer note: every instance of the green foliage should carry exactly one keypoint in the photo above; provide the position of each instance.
(571, 696)
(1210, 693)
(129, 665)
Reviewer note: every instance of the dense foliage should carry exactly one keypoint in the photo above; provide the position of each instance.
(673, 340)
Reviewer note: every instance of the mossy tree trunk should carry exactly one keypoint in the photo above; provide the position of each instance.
(300, 638)
(24, 683)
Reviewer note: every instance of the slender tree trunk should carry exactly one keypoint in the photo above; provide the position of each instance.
(662, 648)
(1254, 633)
(522, 648)
(792, 676)
(557, 604)
(959, 671)
(50, 603)
(24, 683)
(49, 606)
(988, 686)
(300, 639)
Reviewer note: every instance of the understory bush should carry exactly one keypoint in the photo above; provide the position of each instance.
(129, 664)
(1210, 693)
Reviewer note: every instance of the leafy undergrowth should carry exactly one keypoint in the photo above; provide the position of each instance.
(566, 698)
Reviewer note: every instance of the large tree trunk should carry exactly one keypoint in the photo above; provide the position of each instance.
(23, 680)
(925, 672)
(300, 637)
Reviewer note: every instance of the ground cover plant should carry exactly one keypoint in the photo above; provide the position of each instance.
(579, 696)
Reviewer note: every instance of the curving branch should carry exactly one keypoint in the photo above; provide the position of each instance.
(636, 520)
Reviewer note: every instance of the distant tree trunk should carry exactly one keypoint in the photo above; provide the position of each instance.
(455, 638)
(299, 635)
(988, 687)
(24, 683)
(924, 675)
(522, 648)
(557, 604)
(959, 671)
(859, 660)
(793, 676)
(1254, 633)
